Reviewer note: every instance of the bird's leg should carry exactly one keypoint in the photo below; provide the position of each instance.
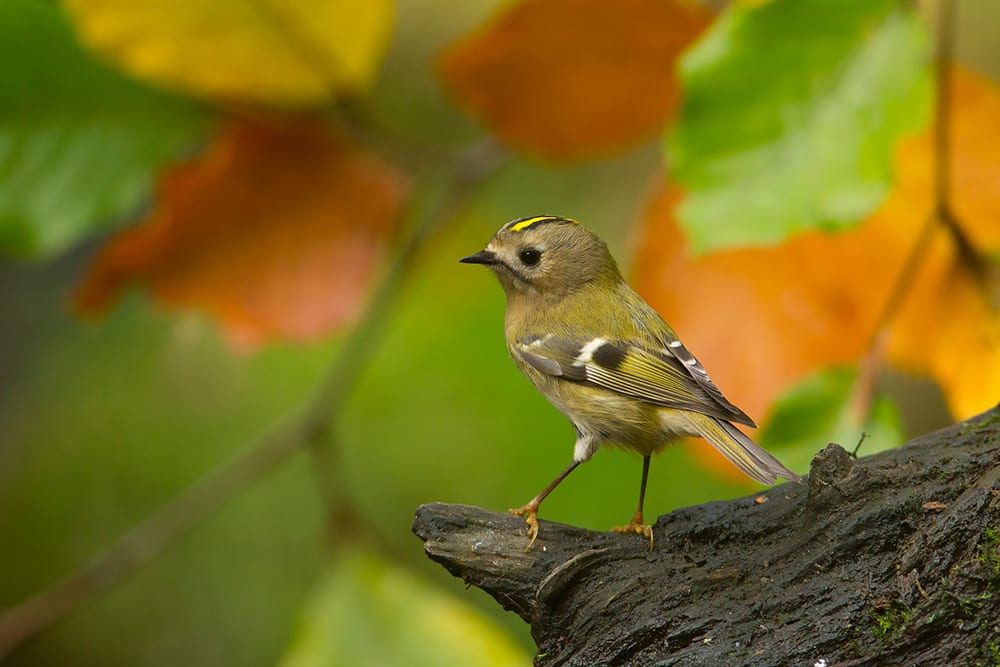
(636, 525)
(530, 510)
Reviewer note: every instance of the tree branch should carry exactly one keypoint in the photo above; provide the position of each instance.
(890, 559)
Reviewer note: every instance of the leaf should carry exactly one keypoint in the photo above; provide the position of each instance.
(274, 230)
(764, 319)
(790, 114)
(78, 143)
(273, 52)
(366, 612)
(819, 410)
(570, 79)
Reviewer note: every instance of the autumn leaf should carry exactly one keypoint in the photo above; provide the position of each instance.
(763, 319)
(569, 79)
(271, 52)
(274, 230)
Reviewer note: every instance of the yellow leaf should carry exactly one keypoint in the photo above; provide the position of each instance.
(966, 359)
(273, 52)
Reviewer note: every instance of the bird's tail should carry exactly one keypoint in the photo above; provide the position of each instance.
(744, 453)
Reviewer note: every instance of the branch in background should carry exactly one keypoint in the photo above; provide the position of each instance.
(308, 428)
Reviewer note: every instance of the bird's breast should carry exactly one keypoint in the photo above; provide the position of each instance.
(607, 417)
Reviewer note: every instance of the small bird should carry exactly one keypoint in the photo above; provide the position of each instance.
(598, 352)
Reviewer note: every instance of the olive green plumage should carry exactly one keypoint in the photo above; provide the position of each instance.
(602, 355)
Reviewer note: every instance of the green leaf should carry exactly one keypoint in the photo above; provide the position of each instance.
(79, 144)
(790, 115)
(818, 411)
(367, 612)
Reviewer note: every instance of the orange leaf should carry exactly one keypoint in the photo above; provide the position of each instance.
(762, 319)
(567, 79)
(274, 230)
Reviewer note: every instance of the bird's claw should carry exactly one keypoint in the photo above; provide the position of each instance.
(530, 514)
(637, 527)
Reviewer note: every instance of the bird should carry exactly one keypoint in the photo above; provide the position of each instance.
(605, 358)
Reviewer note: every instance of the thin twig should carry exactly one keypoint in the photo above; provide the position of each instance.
(207, 495)
(943, 61)
(857, 447)
(969, 257)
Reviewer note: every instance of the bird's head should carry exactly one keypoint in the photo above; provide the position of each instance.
(546, 255)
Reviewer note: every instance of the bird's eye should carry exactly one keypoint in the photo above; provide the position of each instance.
(530, 256)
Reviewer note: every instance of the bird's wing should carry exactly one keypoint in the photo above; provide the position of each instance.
(671, 376)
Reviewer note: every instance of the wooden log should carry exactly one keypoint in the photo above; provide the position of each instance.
(890, 559)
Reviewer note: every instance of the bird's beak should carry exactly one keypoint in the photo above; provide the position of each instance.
(482, 257)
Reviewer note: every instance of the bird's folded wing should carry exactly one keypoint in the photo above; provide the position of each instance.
(670, 377)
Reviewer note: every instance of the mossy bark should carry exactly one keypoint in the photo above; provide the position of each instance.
(890, 559)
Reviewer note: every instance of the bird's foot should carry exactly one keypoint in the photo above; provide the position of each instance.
(530, 514)
(637, 527)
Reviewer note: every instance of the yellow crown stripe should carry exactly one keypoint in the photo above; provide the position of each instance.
(528, 222)
(521, 225)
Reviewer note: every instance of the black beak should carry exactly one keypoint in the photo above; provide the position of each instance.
(481, 257)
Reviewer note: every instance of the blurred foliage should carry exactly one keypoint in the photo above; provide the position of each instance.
(328, 143)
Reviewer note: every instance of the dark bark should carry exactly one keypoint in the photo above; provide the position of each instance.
(891, 559)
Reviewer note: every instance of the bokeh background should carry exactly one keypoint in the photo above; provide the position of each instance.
(105, 420)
